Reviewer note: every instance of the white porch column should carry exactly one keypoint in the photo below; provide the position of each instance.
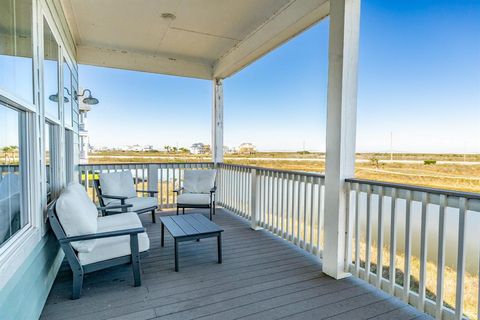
(341, 128)
(217, 121)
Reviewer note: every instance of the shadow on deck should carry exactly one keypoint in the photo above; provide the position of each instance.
(262, 277)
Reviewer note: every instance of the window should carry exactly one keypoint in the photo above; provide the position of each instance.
(16, 56)
(50, 73)
(48, 159)
(12, 215)
(67, 94)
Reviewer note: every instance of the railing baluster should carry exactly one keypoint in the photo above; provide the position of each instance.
(348, 238)
(287, 206)
(408, 248)
(441, 257)
(380, 238)
(393, 240)
(168, 186)
(299, 202)
(303, 243)
(311, 226)
(368, 235)
(423, 254)
(357, 230)
(462, 221)
(268, 198)
(321, 215)
(277, 207)
(282, 208)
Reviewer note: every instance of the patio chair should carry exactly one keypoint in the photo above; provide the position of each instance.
(118, 188)
(91, 243)
(198, 190)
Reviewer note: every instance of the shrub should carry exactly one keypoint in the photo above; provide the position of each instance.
(429, 162)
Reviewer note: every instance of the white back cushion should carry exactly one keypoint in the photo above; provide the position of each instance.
(199, 181)
(77, 215)
(118, 184)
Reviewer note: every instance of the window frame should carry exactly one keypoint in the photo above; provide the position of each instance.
(42, 19)
(65, 61)
(29, 180)
(12, 99)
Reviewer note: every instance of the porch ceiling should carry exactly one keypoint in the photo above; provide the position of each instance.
(206, 39)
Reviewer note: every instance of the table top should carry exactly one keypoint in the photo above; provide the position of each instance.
(189, 225)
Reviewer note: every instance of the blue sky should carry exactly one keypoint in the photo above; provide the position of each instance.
(419, 80)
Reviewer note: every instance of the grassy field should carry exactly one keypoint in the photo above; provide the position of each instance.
(444, 171)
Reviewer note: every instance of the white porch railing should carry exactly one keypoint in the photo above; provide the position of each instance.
(164, 177)
(427, 229)
(411, 228)
(287, 203)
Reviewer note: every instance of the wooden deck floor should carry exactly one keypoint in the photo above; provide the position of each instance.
(262, 277)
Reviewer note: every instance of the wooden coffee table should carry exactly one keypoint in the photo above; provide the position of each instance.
(191, 227)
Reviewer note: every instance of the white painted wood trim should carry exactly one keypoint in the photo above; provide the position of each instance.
(341, 127)
(217, 121)
(286, 23)
(122, 59)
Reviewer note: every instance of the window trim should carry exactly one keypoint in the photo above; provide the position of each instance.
(44, 17)
(65, 61)
(29, 176)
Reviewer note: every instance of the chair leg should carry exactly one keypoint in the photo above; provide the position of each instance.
(154, 219)
(137, 279)
(183, 210)
(177, 210)
(77, 284)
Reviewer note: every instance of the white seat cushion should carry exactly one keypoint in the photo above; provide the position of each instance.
(199, 181)
(77, 215)
(138, 203)
(118, 184)
(114, 247)
(194, 198)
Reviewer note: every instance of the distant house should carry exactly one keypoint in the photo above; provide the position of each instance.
(247, 148)
(199, 148)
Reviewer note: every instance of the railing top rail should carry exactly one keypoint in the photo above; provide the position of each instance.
(451, 193)
(142, 163)
(309, 174)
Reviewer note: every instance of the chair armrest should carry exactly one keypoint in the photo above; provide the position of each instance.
(213, 190)
(107, 196)
(120, 206)
(178, 190)
(150, 192)
(101, 235)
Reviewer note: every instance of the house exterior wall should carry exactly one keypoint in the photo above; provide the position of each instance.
(30, 259)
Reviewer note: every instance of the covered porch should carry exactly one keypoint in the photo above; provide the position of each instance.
(261, 277)
(297, 245)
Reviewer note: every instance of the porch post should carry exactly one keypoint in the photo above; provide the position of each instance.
(341, 128)
(217, 121)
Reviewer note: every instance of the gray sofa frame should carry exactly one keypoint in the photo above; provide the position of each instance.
(102, 197)
(80, 270)
(210, 206)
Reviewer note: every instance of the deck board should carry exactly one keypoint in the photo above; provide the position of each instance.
(262, 277)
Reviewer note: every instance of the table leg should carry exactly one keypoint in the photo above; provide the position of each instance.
(219, 245)
(176, 256)
(163, 234)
